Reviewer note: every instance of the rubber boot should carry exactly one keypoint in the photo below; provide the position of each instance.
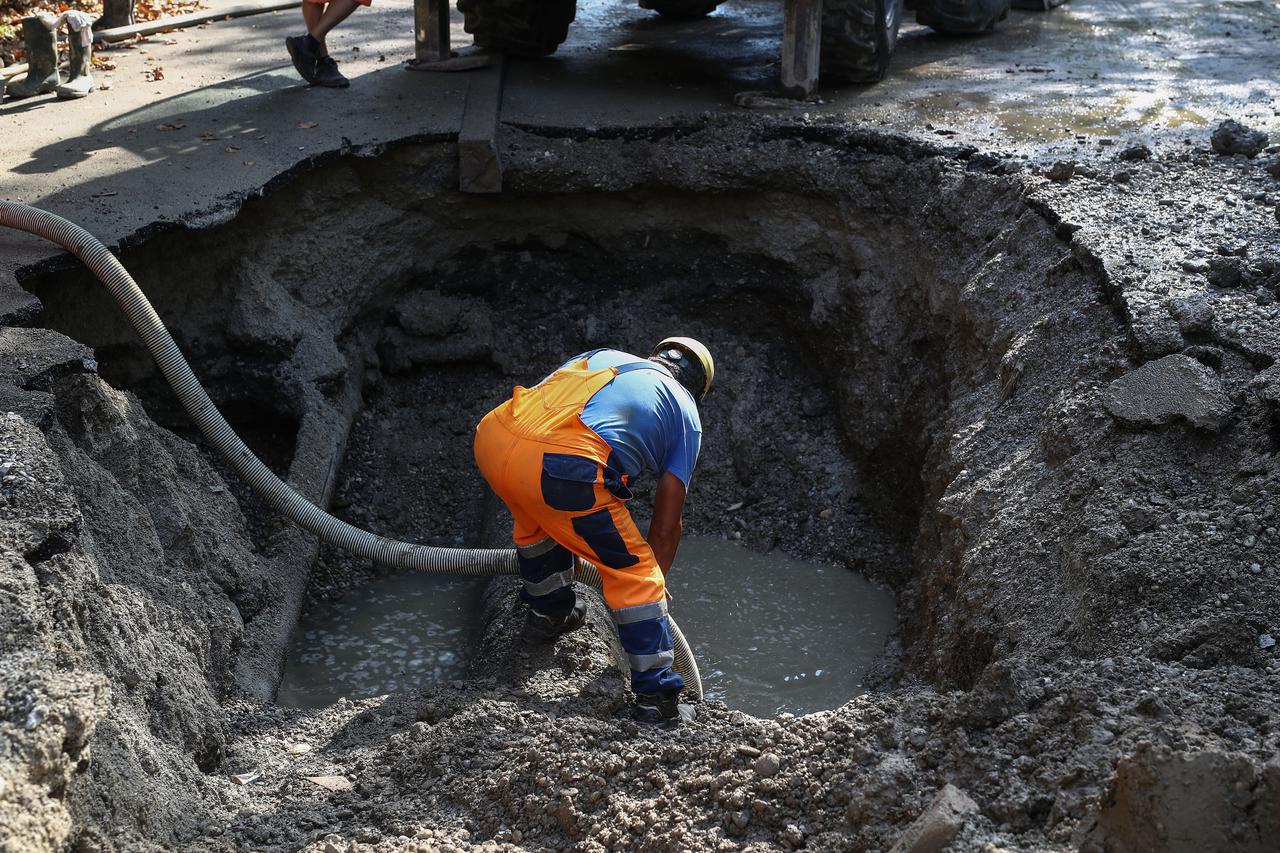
(41, 36)
(80, 83)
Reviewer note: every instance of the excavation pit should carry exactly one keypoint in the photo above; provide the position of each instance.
(889, 332)
(840, 336)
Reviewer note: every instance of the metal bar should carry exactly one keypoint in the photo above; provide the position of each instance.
(430, 30)
(801, 45)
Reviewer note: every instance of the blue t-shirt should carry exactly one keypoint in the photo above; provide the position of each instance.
(648, 418)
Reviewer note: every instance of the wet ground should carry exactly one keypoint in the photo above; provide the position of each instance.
(388, 635)
(772, 634)
(775, 634)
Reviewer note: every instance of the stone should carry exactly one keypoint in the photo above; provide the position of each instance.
(1193, 313)
(1232, 137)
(1061, 171)
(938, 824)
(767, 765)
(1135, 153)
(1168, 389)
(1226, 272)
(1266, 385)
(331, 783)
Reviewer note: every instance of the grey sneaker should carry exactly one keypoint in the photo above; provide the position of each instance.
(327, 74)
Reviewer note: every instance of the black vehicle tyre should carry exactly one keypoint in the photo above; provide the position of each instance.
(961, 17)
(681, 10)
(529, 28)
(858, 38)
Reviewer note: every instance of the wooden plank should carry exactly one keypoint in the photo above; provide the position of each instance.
(801, 46)
(164, 25)
(430, 30)
(479, 165)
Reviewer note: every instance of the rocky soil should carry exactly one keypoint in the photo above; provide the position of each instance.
(1039, 404)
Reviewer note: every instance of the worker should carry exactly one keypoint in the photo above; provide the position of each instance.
(562, 456)
(309, 52)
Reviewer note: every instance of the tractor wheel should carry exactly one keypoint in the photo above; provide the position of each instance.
(858, 37)
(681, 10)
(961, 17)
(529, 28)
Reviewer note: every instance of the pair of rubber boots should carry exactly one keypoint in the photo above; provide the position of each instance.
(41, 34)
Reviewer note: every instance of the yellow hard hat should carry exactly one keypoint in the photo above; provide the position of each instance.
(695, 349)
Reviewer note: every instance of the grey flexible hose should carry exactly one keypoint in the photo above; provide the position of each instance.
(274, 491)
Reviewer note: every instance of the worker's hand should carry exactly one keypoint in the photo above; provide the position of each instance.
(666, 526)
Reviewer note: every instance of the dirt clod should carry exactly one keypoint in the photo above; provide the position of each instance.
(1232, 137)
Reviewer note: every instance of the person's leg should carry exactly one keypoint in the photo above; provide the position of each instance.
(311, 14)
(335, 13)
(546, 567)
(305, 50)
(634, 590)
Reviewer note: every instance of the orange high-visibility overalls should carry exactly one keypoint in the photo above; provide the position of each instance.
(555, 475)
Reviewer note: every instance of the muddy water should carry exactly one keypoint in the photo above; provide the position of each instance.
(391, 634)
(774, 634)
(771, 633)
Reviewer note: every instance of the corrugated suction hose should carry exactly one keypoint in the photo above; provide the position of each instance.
(277, 494)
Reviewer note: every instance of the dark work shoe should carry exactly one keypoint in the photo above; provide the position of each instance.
(658, 708)
(304, 55)
(327, 74)
(543, 628)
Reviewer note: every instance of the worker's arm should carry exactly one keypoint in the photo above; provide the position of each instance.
(664, 529)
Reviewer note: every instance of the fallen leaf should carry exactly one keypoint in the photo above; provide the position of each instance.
(231, 149)
(154, 74)
(331, 783)
(208, 137)
(307, 125)
(177, 125)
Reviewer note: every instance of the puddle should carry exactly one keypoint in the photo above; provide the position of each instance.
(775, 634)
(391, 634)
(772, 634)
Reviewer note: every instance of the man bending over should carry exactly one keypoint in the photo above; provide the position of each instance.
(561, 455)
